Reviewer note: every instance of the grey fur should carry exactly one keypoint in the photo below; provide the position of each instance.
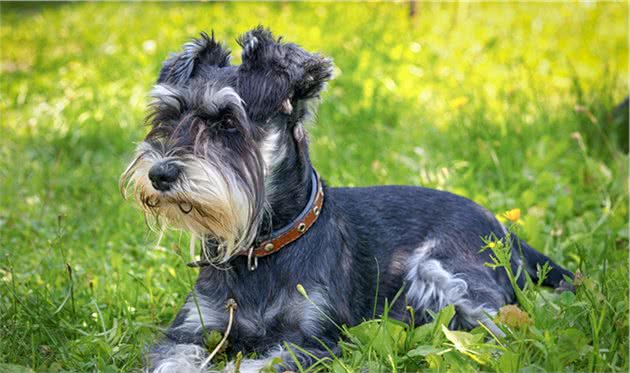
(245, 124)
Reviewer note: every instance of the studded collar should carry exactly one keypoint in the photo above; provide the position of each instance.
(287, 234)
(292, 231)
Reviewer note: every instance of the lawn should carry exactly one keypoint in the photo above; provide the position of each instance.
(511, 105)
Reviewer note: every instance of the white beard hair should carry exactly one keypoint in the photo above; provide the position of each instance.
(218, 205)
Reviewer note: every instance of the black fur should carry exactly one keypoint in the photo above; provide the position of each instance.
(390, 232)
(273, 71)
(202, 53)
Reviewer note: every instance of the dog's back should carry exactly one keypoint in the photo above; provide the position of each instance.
(428, 239)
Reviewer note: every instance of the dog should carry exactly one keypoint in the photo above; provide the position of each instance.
(227, 159)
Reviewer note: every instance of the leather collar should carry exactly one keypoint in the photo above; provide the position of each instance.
(287, 234)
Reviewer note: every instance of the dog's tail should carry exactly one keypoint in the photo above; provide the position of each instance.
(556, 276)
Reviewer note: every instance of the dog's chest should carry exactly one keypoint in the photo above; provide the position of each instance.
(262, 321)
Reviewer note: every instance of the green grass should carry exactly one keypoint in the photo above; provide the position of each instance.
(507, 104)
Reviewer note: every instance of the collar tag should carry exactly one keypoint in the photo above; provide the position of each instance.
(252, 260)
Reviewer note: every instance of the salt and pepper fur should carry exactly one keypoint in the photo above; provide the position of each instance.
(237, 133)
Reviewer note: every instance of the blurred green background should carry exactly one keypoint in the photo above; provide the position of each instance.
(511, 105)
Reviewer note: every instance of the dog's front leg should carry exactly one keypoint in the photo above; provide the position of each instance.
(183, 348)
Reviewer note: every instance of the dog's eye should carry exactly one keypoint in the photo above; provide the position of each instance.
(226, 125)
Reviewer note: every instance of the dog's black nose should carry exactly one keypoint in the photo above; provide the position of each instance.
(163, 175)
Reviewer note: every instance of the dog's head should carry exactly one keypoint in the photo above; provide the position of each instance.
(218, 131)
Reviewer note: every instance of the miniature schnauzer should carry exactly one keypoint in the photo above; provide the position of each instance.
(227, 159)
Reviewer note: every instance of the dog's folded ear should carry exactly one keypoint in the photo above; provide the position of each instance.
(274, 75)
(317, 71)
(201, 52)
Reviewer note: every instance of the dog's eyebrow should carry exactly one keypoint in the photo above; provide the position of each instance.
(207, 100)
(164, 94)
(214, 101)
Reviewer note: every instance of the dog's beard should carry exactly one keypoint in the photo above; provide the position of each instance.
(209, 200)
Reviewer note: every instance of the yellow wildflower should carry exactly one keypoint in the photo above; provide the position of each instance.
(512, 215)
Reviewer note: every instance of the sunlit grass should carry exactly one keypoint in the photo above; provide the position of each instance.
(507, 104)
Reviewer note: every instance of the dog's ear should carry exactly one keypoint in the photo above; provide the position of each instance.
(317, 71)
(274, 76)
(199, 52)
